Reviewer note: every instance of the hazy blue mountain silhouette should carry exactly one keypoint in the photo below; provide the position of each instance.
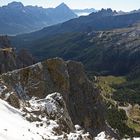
(16, 18)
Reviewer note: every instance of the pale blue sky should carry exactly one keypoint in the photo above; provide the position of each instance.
(125, 5)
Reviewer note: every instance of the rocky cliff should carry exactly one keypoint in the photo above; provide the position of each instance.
(10, 59)
(82, 99)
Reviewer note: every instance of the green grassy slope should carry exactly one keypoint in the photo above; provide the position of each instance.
(121, 96)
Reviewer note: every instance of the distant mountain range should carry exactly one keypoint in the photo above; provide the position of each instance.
(15, 18)
(105, 19)
(84, 12)
(78, 39)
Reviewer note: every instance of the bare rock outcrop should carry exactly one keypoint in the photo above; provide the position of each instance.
(83, 100)
(10, 59)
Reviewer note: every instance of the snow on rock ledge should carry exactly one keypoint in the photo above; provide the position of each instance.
(53, 107)
(15, 126)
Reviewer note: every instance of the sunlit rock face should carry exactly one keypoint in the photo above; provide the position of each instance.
(82, 99)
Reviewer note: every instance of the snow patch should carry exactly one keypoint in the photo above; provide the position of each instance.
(15, 126)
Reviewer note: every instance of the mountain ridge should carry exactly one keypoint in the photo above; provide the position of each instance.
(72, 36)
(94, 22)
(15, 18)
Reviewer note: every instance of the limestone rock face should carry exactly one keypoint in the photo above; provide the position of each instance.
(54, 107)
(84, 99)
(7, 55)
(68, 78)
(59, 76)
(9, 59)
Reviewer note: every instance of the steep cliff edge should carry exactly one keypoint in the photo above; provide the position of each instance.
(42, 119)
(10, 59)
(83, 100)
